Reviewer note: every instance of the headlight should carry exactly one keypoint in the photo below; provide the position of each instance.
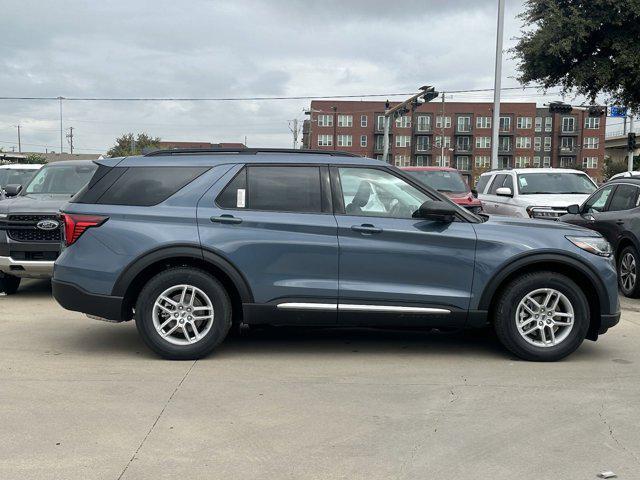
(547, 213)
(3, 215)
(596, 245)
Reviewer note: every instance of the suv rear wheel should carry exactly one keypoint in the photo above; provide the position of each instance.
(542, 316)
(183, 314)
(628, 263)
(9, 284)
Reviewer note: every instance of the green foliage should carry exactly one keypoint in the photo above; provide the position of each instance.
(612, 167)
(34, 158)
(127, 144)
(590, 46)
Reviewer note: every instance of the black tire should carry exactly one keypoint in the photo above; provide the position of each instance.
(180, 276)
(9, 284)
(505, 316)
(629, 286)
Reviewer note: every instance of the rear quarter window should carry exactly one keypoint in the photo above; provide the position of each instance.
(482, 183)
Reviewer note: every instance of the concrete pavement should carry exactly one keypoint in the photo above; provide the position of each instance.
(81, 399)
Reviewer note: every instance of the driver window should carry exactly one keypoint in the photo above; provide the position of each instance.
(598, 200)
(376, 193)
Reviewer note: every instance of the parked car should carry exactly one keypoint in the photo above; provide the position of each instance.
(614, 211)
(16, 174)
(533, 192)
(632, 174)
(449, 182)
(189, 242)
(29, 223)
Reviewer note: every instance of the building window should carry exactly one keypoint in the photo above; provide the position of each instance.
(568, 124)
(483, 122)
(592, 123)
(403, 121)
(483, 142)
(537, 144)
(325, 120)
(363, 120)
(504, 162)
(546, 162)
(505, 124)
(464, 124)
(447, 122)
(442, 161)
(345, 140)
(380, 123)
(325, 140)
(483, 161)
(438, 141)
(523, 142)
(591, 142)
(422, 144)
(547, 144)
(422, 161)
(402, 161)
(566, 162)
(567, 144)
(522, 162)
(524, 122)
(463, 143)
(536, 161)
(462, 163)
(538, 124)
(424, 123)
(590, 162)
(504, 144)
(345, 120)
(379, 142)
(548, 124)
(363, 140)
(403, 140)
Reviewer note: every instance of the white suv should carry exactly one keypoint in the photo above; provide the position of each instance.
(533, 192)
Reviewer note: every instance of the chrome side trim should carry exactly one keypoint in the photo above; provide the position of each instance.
(307, 306)
(390, 308)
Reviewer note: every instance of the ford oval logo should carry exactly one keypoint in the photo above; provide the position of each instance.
(48, 224)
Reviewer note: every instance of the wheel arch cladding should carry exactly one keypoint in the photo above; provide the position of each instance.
(141, 270)
(580, 273)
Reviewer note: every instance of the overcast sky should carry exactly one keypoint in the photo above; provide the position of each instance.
(157, 48)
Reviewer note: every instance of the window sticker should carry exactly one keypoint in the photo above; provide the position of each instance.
(523, 182)
(240, 201)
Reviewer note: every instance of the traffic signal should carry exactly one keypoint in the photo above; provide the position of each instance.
(559, 107)
(429, 93)
(596, 111)
(631, 141)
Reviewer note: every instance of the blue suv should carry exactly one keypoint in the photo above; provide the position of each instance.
(191, 243)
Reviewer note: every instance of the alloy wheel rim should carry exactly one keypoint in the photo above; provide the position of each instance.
(183, 315)
(628, 271)
(545, 317)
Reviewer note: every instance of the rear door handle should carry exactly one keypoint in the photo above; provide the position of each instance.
(366, 228)
(620, 222)
(226, 219)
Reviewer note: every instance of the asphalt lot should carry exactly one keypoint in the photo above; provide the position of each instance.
(82, 399)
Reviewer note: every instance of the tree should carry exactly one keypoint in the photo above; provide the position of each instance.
(590, 46)
(612, 167)
(127, 144)
(34, 158)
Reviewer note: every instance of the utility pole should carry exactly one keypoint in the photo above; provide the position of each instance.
(442, 133)
(427, 93)
(19, 143)
(496, 87)
(61, 130)
(293, 126)
(631, 150)
(70, 138)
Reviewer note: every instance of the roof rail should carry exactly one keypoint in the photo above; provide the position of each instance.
(247, 151)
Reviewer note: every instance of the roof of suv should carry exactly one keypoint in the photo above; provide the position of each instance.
(534, 170)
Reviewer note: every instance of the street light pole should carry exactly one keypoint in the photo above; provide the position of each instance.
(497, 86)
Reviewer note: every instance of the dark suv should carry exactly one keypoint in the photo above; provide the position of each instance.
(191, 242)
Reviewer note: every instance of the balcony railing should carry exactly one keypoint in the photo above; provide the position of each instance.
(464, 148)
(505, 148)
(564, 150)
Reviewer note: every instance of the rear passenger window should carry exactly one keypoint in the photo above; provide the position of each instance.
(146, 186)
(482, 183)
(274, 188)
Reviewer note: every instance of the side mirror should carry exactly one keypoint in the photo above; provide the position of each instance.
(437, 211)
(12, 190)
(474, 192)
(504, 192)
(573, 209)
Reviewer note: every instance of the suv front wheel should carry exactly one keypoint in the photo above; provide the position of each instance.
(9, 284)
(541, 316)
(183, 313)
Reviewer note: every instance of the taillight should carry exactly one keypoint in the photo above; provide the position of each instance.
(75, 225)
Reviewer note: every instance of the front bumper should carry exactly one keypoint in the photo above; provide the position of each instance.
(608, 321)
(74, 298)
(26, 268)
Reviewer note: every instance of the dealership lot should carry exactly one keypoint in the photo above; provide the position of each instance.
(85, 399)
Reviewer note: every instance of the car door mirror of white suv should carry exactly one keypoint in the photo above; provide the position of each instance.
(504, 192)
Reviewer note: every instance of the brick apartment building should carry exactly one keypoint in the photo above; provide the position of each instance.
(461, 136)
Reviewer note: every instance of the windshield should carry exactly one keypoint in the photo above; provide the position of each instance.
(555, 183)
(61, 179)
(441, 180)
(15, 176)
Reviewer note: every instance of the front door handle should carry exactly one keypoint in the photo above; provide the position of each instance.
(226, 219)
(366, 228)
(620, 222)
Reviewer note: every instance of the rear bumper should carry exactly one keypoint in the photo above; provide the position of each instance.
(74, 298)
(27, 268)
